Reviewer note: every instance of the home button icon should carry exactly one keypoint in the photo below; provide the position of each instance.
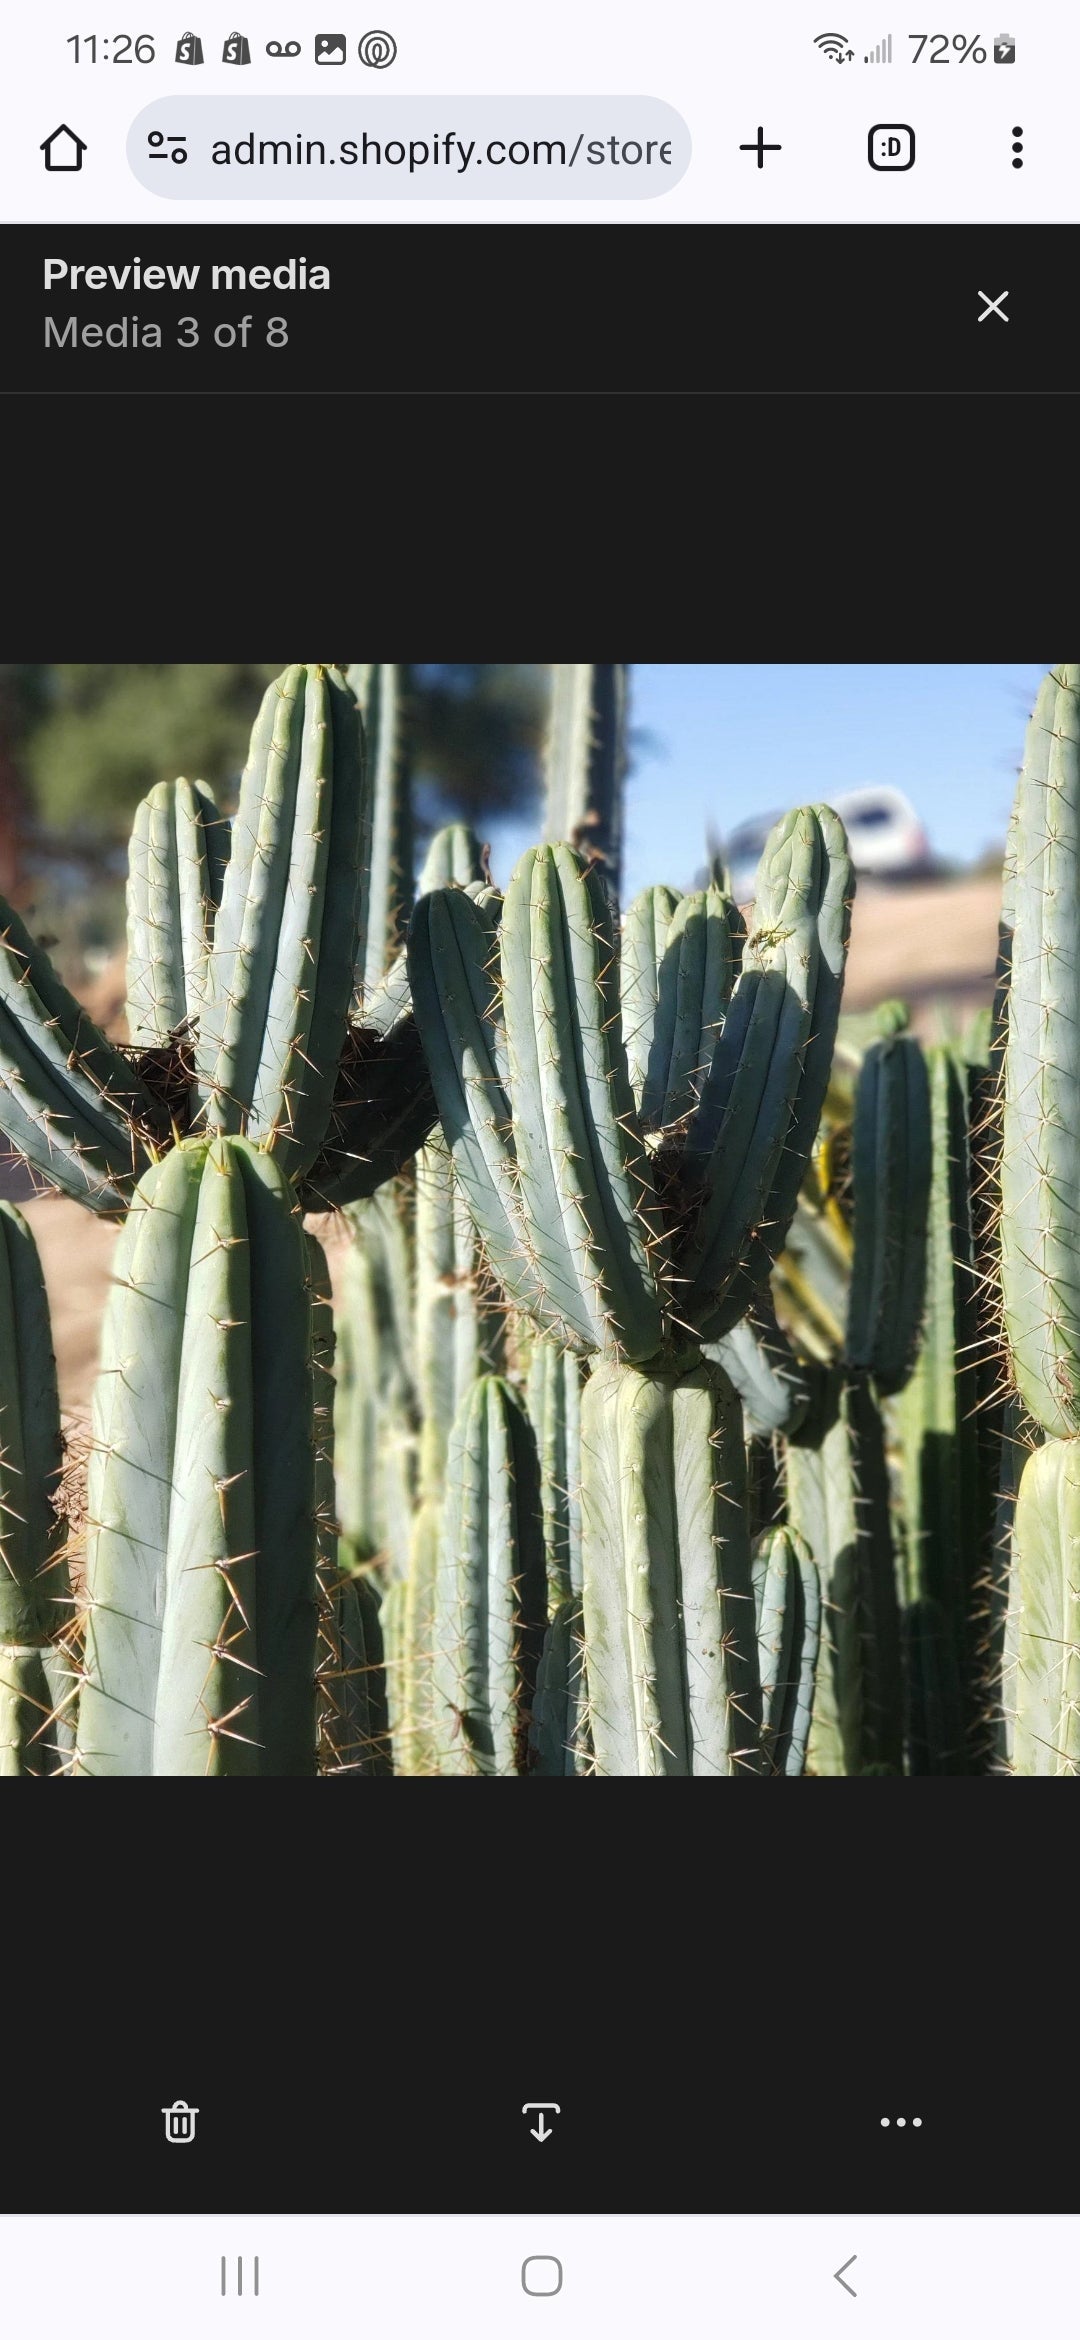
(63, 149)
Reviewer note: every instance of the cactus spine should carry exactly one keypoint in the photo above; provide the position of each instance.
(36, 1681)
(1040, 1166)
(490, 1588)
(674, 1688)
(200, 1650)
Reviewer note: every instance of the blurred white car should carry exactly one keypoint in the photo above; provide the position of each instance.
(886, 836)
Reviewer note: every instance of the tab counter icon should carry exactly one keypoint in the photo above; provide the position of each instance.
(179, 2121)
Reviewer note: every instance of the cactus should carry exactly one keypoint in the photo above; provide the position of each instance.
(177, 857)
(37, 1681)
(1040, 1167)
(459, 1328)
(838, 1502)
(382, 696)
(666, 1587)
(291, 928)
(71, 1104)
(553, 1398)
(787, 1602)
(200, 1647)
(891, 1166)
(677, 975)
(455, 857)
(376, 1412)
(763, 1367)
(585, 763)
(749, 1141)
(949, 1442)
(1046, 1721)
(355, 1731)
(560, 1745)
(490, 1588)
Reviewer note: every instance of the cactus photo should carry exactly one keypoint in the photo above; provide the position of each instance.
(539, 1222)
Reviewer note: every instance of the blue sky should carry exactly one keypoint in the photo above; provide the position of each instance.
(726, 742)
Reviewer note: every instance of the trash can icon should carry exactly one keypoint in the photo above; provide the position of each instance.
(236, 50)
(179, 2121)
(189, 49)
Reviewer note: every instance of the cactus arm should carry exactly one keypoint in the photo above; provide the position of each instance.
(559, 1745)
(762, 1366)
(286, 936)
(891, 1158)
(383, 1110)
(1046, 1530)
(1040, 1169)
(451, 944)
(455, 857)
(382, 694)
(585, 761)
(586, 1185)
(201, 1549)
(35, 1591)
(838, 1501)
(738, 1131)
(666, 1585)
(553, 1397)
(177, 855)
(644, 933)
(787, 1599)
(490, 1590)
(695, 979)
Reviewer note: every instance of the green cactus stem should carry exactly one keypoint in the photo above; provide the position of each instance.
(560, 1745)
(553, 1398)
(202, 1543)
(490, 1588)
(37, 1679)
(585, 763)
(1046, 1534)
(668, 1602)
(382, 694)
(1040, 1165)
(291, 928)
(787, 1601)
(838, 1502)
(177, 857)
(891, 1156)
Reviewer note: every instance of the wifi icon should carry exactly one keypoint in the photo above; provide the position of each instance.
(834, 45)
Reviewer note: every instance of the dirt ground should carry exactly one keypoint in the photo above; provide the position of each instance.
(932, 945)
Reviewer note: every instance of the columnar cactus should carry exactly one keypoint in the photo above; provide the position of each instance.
(762, 1365)
(668, 1603)
(490, 1589)
(382, 695)
(376, 1405)
(201, 1559)
(177, 857)
(787, 1602)
(291, 928)
(678, 968)
(553, 1398)
(71, 1104)
(560, 1743)
(1046, 1704)
(1040, 1166)
(891, 1156)
(37, 1682)
(838, 1502)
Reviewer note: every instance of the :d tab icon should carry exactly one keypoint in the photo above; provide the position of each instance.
(890, 146)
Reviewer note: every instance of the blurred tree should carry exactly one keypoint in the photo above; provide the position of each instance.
(91, 740)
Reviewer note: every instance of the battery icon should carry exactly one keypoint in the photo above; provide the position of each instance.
(1004, 49)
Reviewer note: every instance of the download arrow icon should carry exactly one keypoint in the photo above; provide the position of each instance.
(842, 2271)
(543, 2129)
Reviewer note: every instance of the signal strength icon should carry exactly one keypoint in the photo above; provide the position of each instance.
(882, 55)
(834, 45)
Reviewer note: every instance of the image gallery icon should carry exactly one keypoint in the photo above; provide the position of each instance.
(329, 48)
(179, 2122)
